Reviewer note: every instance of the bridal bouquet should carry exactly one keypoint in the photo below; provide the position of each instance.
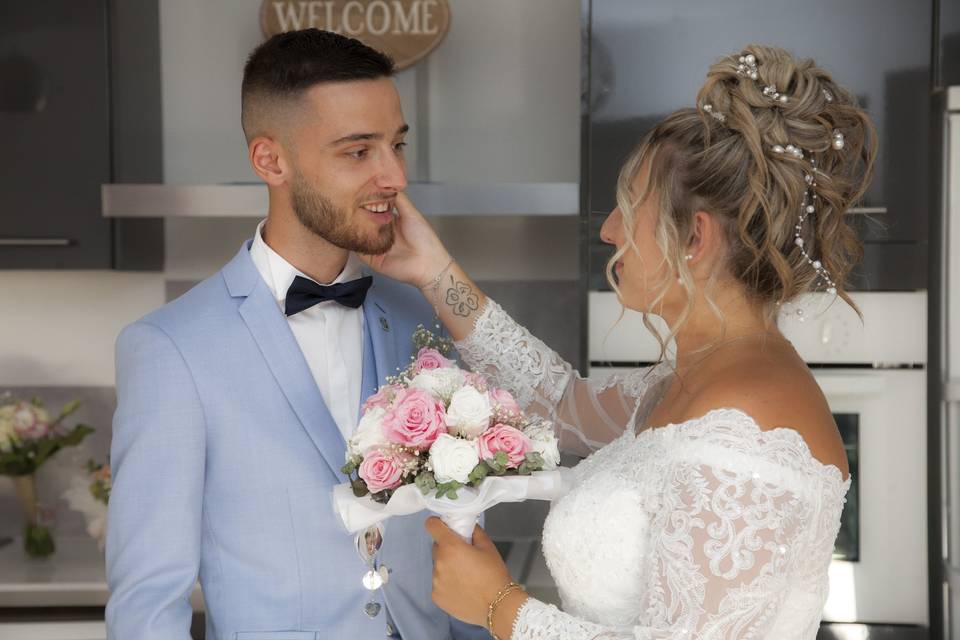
(438, 437)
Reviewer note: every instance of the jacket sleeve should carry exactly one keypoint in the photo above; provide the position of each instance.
(155, 510)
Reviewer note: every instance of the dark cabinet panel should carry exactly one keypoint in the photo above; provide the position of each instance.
(948, 50)
(56, 128)
(650, 58)
(55, 120)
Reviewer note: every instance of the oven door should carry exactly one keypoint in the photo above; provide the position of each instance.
(879, 571)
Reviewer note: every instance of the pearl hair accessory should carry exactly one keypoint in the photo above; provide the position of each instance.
(748, 66)
(716, 114)
(838, 140)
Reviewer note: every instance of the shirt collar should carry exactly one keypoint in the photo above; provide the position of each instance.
(279, 274)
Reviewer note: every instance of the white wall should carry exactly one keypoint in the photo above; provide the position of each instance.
(502, 94)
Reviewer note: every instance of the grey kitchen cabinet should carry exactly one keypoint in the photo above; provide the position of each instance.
(69, 99)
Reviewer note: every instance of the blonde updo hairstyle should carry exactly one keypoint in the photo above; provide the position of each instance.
(698, 162)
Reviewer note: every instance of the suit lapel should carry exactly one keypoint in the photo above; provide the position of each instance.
(283, 355)
(379, 323)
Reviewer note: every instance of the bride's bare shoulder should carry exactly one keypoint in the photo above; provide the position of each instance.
(774, 393)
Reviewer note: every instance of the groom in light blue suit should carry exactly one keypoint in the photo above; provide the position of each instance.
(235, 401)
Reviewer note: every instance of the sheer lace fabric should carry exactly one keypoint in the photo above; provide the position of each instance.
(712, 528)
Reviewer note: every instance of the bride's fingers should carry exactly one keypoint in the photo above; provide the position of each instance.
(481, 540)
(441, 533)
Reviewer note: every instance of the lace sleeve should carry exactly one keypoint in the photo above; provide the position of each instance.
(587, 414)
(729, 542)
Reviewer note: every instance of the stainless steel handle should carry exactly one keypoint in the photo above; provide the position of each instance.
(868, 211)
(35, 242)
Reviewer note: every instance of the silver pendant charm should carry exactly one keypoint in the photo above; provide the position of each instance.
(369, 542)
(372, 609)
(372, 580)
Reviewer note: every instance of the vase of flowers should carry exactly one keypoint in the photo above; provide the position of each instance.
(29, 436)
(89, 494)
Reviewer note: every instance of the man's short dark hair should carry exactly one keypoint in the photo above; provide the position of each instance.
(281, 69)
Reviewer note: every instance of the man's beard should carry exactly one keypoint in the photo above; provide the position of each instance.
(321, 217)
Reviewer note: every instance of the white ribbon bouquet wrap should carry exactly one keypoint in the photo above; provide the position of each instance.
(440, 438)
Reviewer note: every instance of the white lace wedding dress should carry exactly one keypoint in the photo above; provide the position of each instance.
(706, 529)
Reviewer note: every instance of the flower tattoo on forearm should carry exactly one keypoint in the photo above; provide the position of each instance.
(461, 298)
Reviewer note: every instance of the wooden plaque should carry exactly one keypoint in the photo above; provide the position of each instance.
(406, 30)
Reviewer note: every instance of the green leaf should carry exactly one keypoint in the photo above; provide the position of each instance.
(349, 467)
(448, 489)
(359, 487)
(479, 473)
(67, 409)
(426, 482)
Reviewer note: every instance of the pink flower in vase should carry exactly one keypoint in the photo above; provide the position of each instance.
(502, 437)
(30, 422)
(428, 358)
(383, 469)
(415, 420)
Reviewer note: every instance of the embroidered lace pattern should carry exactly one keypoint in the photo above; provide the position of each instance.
(587, 413)
(708, 529)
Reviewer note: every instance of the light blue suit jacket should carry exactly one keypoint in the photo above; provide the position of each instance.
(224, 457)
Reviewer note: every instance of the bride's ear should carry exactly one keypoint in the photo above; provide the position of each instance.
(706, 238)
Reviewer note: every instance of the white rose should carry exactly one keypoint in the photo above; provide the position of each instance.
(369, 433)
(442, 382)
(544, 442)
(469, 412)
(453, 459)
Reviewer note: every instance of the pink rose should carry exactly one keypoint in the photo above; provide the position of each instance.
(501, 437)
(428, 358)
(476, 380)
(383, 397)
(415, 420)
(30, 422)
(501, 398)
(383, 470)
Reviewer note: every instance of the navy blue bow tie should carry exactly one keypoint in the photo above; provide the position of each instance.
(304, 293)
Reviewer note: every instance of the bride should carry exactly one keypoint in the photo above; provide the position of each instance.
(710, 498)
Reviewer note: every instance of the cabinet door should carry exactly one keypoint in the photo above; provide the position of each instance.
(54, 120)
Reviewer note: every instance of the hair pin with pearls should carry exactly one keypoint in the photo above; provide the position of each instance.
(716, 114)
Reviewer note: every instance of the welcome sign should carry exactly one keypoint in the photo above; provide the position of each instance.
(406, 30)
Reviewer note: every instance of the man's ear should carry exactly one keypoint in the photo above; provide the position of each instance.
(268, 160)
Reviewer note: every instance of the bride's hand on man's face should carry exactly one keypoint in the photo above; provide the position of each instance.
(417, 254)
(466, 578)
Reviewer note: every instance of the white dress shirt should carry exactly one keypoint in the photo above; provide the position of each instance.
(330, 335)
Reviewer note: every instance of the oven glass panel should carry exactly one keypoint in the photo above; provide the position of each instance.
(848, 540)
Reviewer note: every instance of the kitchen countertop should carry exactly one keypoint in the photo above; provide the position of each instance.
(74, 576)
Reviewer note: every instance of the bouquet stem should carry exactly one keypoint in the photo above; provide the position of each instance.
(37, 538)
(462, 524)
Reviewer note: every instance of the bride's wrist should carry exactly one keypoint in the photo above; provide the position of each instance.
(434, 273)
(504, 613)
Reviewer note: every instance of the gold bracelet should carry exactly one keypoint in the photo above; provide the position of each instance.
(507, 590)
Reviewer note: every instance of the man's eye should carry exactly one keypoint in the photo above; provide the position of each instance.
(359, 154)
(399, 146)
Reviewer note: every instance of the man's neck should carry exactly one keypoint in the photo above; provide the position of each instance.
(307, 252)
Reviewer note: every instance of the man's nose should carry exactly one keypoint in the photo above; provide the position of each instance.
(393, 173)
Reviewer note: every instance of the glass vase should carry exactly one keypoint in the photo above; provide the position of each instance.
(37, 537)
